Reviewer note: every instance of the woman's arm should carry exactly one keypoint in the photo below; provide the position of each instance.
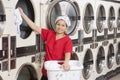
(66, 65)
(32, 25)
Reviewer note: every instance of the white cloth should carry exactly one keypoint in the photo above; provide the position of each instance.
(65, 18)
(18, 20)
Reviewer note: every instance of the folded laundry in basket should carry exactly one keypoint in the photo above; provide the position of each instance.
(18, 20)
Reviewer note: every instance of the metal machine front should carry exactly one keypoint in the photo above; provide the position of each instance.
(88, 19)
(88, 64)
(111, 19)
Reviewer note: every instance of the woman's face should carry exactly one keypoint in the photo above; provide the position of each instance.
(61, 26)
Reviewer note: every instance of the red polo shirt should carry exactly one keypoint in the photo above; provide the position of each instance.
(55, 49)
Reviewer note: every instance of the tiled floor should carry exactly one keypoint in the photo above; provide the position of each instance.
(117, 77)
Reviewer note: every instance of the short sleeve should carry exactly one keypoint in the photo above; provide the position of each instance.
(68, 46)
(44, 34)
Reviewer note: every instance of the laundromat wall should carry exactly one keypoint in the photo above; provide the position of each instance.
(95, 33)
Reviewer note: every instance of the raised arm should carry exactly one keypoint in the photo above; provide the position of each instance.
(31, 24)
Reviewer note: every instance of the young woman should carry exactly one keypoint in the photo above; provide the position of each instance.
(58, 43)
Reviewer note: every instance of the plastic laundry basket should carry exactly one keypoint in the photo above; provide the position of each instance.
(55, 72)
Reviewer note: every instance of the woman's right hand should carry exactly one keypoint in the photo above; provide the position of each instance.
(31, 24)
(21, 11)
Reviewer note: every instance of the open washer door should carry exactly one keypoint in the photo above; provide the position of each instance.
(27, 7)
(62, 7)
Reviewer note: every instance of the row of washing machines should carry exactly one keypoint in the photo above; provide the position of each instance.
(95, 32)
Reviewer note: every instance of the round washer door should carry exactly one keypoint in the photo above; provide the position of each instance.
(87, 64)
(110, 56)
(27, 7)
(100, 62)
(62, 7)
(111, 19)
(100, 22)
(27, 72)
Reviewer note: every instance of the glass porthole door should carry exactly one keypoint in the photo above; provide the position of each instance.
(27, 7)
(111, 19)
(101, 19)
(88, 19)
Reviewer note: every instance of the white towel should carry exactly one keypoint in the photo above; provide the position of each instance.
(18, 20)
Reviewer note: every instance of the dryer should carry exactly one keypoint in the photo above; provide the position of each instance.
(118, 32)
(2, 26)
(111, 19)
(54, 8)
(51, 9)
(85, 56)
(117, 56)
(100, 20)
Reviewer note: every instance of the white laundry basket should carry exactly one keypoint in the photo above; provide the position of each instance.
(55, 72)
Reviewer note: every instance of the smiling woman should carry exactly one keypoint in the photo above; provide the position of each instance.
(58, 44)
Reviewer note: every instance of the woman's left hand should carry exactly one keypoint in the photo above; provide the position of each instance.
(66, 66)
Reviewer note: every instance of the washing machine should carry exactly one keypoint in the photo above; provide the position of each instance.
(111, 19)
(51, 9)
(115, 39)
(101, 41)
(100, 20)
(99, 60)
(19, 53)
(87, 38)
(118, 54)
(87, 18)
(118, 37)
(86, 58)
(2, 26)
(100, 51)
(118, 34)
